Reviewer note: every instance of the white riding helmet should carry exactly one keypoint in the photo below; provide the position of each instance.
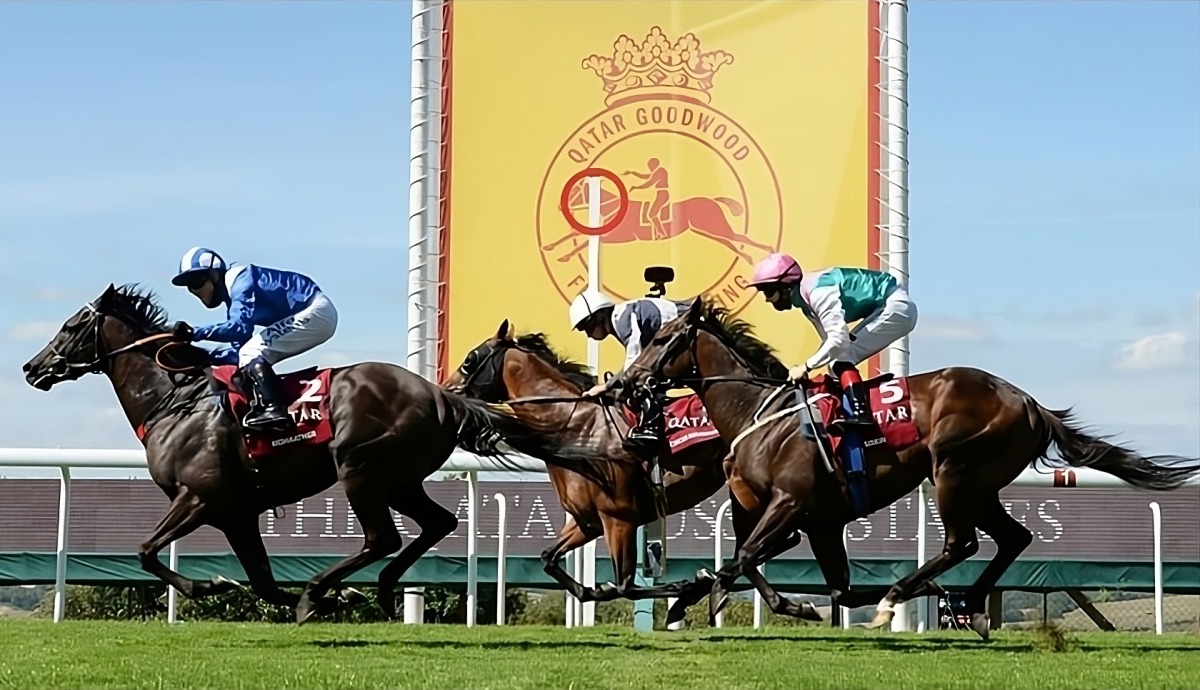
(587, 303)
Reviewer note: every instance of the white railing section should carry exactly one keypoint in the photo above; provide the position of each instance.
(65, 460)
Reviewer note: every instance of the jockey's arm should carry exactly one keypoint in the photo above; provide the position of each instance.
(239, 325)
(224, 355)
(826, 303)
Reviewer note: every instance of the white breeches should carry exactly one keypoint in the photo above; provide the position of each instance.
(293, 335)
(895, 320)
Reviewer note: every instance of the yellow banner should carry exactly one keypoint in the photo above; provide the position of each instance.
(738, 128)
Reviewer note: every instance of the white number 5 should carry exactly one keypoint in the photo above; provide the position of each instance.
(890, 392)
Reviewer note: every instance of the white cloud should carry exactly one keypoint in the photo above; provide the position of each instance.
(955, 330)
(1158, 351)
(33, 330)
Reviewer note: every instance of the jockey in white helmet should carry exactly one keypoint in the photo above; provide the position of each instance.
(295, 313)
(634, 324)
(830, 299)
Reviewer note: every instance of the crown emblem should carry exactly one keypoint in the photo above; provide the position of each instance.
(657, 66)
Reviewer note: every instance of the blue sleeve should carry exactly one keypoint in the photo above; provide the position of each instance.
(224, 355)
(239, 326)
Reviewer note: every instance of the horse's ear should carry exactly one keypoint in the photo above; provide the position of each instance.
(696, 311)
(503, 333)
(108, 293)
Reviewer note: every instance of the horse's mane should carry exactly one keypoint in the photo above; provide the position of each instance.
(578, 374)
(736, 334)
(140, 307)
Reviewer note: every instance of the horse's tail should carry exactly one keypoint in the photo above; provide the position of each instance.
(1079, 449)
(482, 428)
(734, 207)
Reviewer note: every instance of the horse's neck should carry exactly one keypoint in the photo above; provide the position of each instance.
(140, 385)
(730, 404)
(533, 377)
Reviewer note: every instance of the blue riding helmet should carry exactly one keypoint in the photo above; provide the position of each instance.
(197, 260)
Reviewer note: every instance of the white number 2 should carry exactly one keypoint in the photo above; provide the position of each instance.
(311, 392)
(890, 392)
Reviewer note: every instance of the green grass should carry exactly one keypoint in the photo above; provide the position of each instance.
(73, 654)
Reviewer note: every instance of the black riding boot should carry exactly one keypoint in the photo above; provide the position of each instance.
(860, 414)
(267, 410)
(648, 433)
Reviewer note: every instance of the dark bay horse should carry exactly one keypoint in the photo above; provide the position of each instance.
(392, 429)
(613, 498)
(978, 433)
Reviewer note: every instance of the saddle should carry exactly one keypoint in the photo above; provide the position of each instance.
(304, 393)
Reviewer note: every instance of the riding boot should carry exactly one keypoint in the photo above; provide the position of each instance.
(267, 410)
(857, 395)
(648, 433)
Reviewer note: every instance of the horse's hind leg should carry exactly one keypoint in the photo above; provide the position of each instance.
(185, 514)
(1011, 539)
(830, 552)
(436, 524)
(956, 508)
(380, 538)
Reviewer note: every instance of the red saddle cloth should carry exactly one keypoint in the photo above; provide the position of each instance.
(891, 407)
(306, 395)
(686, 423)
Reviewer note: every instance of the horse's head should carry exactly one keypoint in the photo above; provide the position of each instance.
(481, 374)
(89, 338)
(527, 359)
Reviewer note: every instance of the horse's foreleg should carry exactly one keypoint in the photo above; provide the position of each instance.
(436, 524)
(778, 523)
(185, 514)
(572, 537)
(621, 537)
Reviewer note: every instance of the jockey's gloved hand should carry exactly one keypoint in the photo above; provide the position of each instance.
(799, 372)
(181, 332)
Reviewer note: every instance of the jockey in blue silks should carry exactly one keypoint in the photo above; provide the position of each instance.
(295, 314)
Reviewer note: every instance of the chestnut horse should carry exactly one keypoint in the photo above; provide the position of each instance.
(612, 498)
(978, 433)
(392, 429)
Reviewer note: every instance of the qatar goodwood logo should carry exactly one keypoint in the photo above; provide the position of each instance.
(700, 187)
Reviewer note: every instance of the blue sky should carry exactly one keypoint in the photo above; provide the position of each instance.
(1055, 174)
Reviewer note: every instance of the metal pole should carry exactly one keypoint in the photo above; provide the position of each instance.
(60, 559)
(472, 547)
(718, 560)
(172, 593)
(423, 191)
(1156, 519)
(586, 561)
(501, 554)
(894, 170)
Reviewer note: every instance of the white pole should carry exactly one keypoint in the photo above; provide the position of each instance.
(845, 612)
(423, 191)
(894, 207)
(718, 560)
(501, 554)
(758, 602)
(472, 547)
(172, 593)
(60, 559)
(587, 614)
(1156, 518)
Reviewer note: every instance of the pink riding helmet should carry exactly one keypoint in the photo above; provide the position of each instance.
(777, 268)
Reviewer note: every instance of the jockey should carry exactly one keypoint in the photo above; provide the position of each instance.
(633, 324)
(296, 315)
(831, 298)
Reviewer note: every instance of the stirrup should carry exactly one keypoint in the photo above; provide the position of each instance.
(269, 417)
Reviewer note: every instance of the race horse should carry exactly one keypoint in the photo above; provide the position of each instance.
(702, 215)
(977, 433)
(612, 498)
(389, 430)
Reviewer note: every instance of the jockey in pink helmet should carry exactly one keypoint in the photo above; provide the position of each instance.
(830, 299)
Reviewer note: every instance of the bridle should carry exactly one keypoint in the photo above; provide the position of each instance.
(61, 365)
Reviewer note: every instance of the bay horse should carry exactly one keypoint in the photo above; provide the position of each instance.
(612, 498)
(703, 215)
(391, 430)
(978, 432)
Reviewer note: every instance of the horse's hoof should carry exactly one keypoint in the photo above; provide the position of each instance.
(808, 612)
(305, 610)
(353, 597)
(677, 612)
(882, 618)
(979, 623)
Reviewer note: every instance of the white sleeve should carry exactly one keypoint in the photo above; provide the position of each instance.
(827, 304)
(634, 348)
